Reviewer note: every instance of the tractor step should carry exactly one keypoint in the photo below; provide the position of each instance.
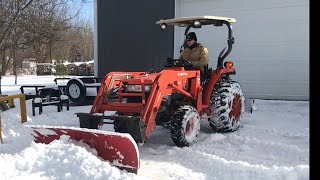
(118, 148)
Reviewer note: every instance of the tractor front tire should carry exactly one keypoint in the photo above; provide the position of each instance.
(185, 126)
(227, 106)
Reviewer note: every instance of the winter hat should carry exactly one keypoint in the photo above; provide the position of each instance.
(191, 35)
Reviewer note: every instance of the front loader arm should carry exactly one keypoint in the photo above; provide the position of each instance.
(167, 82)
(107, 86)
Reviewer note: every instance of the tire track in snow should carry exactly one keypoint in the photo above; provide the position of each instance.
(210, 166)
(253, 150)
(249, 152)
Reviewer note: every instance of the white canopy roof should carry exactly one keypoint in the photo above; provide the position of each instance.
(186, 21)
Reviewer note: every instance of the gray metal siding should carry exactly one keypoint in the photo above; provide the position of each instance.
(271, 50)
(128, 38)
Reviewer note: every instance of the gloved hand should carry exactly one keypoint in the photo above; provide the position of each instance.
(170, 60)
(187, 64)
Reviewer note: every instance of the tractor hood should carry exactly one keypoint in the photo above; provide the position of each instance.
(145, 78)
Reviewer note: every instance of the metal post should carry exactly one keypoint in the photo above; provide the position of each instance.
(23, 108)
(0, 128)
(11, 103)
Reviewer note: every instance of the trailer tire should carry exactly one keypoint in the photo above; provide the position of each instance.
(227, 106)
(185, 126)
(76, 91)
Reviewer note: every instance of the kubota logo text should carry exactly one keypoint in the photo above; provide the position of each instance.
(183, 74)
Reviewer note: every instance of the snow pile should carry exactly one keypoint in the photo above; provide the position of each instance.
(59, 160)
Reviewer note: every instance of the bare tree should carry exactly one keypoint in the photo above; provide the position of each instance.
(34, 29)
(9, 12)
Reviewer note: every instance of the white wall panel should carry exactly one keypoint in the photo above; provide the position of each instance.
(271, 50)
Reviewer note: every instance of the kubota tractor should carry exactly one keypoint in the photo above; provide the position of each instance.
(177, 97)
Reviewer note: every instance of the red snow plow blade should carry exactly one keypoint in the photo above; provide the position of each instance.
(118, 148)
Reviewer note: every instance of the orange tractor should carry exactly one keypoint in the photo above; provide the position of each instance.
(177, 97)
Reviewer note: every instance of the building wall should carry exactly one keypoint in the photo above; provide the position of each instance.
(271, 50)
(270, 54)
(127, 38)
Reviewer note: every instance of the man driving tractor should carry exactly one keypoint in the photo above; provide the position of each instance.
(195, 53)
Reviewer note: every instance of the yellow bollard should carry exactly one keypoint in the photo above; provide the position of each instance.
(11, 103)
(23, 108)
(0, 128)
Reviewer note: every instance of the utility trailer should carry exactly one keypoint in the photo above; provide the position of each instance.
(80, 91)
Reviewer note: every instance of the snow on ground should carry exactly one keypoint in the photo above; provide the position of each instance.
(271, 143)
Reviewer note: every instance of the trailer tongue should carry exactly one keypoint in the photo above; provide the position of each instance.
(118, 148)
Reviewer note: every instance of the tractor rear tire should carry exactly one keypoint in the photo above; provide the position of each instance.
(185, 126)
(227, 106)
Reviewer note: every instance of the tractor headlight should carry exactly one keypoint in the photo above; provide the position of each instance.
(137, 88)
(163, 26)
(147, 88)
(197, 24)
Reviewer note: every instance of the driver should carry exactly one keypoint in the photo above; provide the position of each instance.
(195, 53)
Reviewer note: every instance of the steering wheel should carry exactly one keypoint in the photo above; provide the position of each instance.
(179, 63)
(185, 63)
